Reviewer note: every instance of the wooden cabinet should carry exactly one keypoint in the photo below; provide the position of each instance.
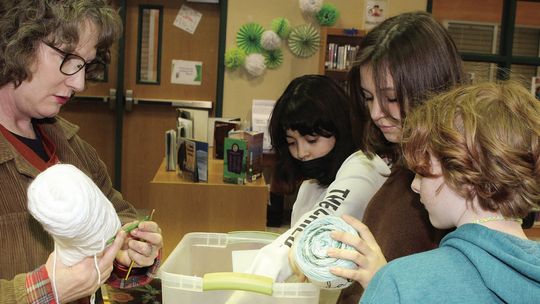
(338, 51)
(183, 206)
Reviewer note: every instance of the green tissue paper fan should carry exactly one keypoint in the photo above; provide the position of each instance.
(304, 40)
(248, 37)
(273, 59)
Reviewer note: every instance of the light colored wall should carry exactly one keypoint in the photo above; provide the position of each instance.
(240, 89)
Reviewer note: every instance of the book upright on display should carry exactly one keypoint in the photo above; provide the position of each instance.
(254, 151)
(201, 157)
(186, 159)
(170, 150)
(193, 159)
(235, 160)
(221, 131)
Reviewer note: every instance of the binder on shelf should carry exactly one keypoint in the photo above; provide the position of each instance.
(170, 150)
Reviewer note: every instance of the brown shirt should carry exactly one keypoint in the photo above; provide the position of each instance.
(25, 245)
(399, 223)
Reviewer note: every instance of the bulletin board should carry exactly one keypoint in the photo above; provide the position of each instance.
(177, 44)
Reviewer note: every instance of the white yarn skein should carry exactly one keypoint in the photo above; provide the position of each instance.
(74, 211)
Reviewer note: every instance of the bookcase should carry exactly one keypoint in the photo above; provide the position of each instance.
(338, 51)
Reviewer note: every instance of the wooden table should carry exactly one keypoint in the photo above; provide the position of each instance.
(183, 206)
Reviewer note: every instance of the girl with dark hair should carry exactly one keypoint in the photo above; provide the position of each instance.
(312, 133)
(400, 63)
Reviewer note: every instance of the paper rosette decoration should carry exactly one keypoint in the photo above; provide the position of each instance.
(270, 40)
(255, 65)
(282, 27)
(310, 252)
(248, 37)
(235, 58)
(310, 6)
(273, 58)
(304, 40)
(328, 15)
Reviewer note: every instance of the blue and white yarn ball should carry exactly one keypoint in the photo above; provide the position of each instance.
(310, 252)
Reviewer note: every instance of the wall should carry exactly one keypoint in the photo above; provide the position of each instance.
(240, 89)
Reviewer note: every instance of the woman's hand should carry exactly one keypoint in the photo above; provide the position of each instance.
(80, 280)
(142, 246)
(368, 255)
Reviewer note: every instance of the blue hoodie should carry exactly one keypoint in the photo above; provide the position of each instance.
(474, 264)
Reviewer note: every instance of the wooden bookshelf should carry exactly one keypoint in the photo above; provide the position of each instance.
(339, 36)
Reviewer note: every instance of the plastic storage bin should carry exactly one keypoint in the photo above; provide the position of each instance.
(199, 271)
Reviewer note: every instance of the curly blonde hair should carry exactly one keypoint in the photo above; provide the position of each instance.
(486, 137)
(25, 23)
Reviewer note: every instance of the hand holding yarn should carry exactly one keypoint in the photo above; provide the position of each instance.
(367, 254)
(80, 280)
(80, 219)
(142, 246)
(310, 253)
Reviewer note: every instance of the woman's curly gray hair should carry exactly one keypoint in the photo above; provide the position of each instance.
(24, 23)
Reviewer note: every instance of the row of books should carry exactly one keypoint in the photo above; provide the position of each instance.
(340, 57)
(241, 151)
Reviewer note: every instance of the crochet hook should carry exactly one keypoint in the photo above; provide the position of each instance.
(148, 218)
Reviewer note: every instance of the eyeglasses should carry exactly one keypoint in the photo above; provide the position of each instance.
(72, 64)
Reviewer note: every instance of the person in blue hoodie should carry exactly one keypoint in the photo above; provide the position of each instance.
(476, 154)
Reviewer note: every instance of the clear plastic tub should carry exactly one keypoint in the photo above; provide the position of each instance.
(199, 270)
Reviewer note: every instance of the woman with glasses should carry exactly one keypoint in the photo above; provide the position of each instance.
(47, 51)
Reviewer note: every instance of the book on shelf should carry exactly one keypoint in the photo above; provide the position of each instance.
(235, 161)
(340, 57)
(193, 159)
(254, 151)
(170, 150)
(201, 157)
(212, 124)
(184, 127)
(261, 111)
(184, 123)
(221, 131)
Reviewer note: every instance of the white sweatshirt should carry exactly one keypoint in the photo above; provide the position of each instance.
(357, 180)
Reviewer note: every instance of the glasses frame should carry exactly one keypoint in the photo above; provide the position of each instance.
(71, 55)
